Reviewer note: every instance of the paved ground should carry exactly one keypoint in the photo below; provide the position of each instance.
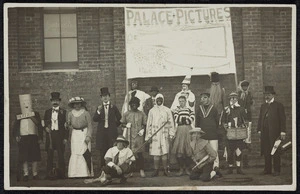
(161, 181)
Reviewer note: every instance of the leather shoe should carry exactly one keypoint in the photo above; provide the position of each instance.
(218, 172)
(25, 178)
(276, 174)
(155, 173)
(166, 172)
(264, 172)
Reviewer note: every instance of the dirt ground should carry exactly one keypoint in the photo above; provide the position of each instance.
(252, 174)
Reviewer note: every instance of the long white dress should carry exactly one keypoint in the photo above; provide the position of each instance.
(158, 115)
(77, 165)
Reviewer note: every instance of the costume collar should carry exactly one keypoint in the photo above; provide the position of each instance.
(206, 112)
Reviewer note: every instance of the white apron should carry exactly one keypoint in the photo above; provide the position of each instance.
(77, 164)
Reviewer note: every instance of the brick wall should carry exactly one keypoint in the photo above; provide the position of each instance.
(261, 38)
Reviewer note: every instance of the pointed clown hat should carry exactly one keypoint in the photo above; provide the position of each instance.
(188, 77)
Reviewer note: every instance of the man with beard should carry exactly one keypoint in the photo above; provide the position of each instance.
(271, 126)
(56, 134)
(217, 93)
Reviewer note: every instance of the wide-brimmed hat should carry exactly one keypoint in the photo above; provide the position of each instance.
(104, 91)
(233, 94)
(55, 96)
(121, 138)
(245, 83)
(197, 129)
(154, 89)
(76, 99)
(214, 77)
(269, 90)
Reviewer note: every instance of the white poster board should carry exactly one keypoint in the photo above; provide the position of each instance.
(170, 41)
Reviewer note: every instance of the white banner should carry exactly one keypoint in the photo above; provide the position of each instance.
(170, 41)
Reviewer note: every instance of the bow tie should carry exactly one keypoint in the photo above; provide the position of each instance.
(54, 110)
(106, 105)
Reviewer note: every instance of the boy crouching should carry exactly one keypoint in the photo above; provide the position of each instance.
(118, 162)
(203, 156)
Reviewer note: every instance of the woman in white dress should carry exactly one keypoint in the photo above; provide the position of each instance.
(80, 124)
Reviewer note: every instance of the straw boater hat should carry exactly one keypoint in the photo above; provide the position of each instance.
(197, 129)
(121, 138)
(55, 96)
(76, 99)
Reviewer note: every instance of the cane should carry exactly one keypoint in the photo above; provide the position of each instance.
(201, 162)
(87, 181)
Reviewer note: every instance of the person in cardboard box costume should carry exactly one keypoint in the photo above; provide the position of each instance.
(56, 135)
(28, 132)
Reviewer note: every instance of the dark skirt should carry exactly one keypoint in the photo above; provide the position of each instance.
(29, 149)
(182, 141)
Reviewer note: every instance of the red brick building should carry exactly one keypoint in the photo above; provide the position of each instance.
(262, 43)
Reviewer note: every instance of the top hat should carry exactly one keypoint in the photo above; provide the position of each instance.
(104, 91)
(55, 96)
(197, 129)
(214, 77)
(269, 90)
(245, 83)
(76, 99)
(154, 89)
(233, 94)
(121, 138)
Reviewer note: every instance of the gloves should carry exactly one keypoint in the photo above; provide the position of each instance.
(141, 132)
(128, 125)
(282, 135)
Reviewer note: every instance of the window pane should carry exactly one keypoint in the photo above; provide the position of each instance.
(68, 25)
(51, 25)
(69, 49)
(52, 50)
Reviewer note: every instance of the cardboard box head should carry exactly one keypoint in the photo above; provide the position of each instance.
(25, 103)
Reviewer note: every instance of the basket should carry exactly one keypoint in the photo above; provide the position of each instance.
(237, 133)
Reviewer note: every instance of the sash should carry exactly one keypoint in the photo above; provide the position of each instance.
(206, 113)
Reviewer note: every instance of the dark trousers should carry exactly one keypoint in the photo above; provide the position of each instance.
(57, 144)
(139, 164)
(203, 173)
(105, 142)
(112, 172)
(232, 146)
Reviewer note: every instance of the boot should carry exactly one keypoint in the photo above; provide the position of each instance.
(230, 170)
(155, 173)
(218, 172)
(166, 172)
(180, 173)
(239, 170)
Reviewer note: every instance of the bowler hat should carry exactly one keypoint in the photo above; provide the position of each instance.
(55, 96)
(121, 138)
(154, 89)
(197, 129)
(214, 77)
(269, 90)
(104, 91)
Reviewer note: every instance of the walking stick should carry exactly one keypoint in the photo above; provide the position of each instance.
(87, 181)
(201, 162)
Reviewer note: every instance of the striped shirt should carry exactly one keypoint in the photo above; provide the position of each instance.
(184, 116)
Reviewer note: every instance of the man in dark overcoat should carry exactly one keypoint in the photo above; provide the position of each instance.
(271, 126)
(108, 117)
(55, 120)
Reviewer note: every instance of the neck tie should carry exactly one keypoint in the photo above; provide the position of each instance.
(116, 159)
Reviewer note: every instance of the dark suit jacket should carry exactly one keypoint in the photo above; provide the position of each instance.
(37, 118)
(276, 122)
(61, 118)
(148, 105)
(114, 117)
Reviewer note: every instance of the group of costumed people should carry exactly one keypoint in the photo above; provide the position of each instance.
(188, 130)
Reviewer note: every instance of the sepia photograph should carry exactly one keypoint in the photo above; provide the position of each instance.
(149, 96)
